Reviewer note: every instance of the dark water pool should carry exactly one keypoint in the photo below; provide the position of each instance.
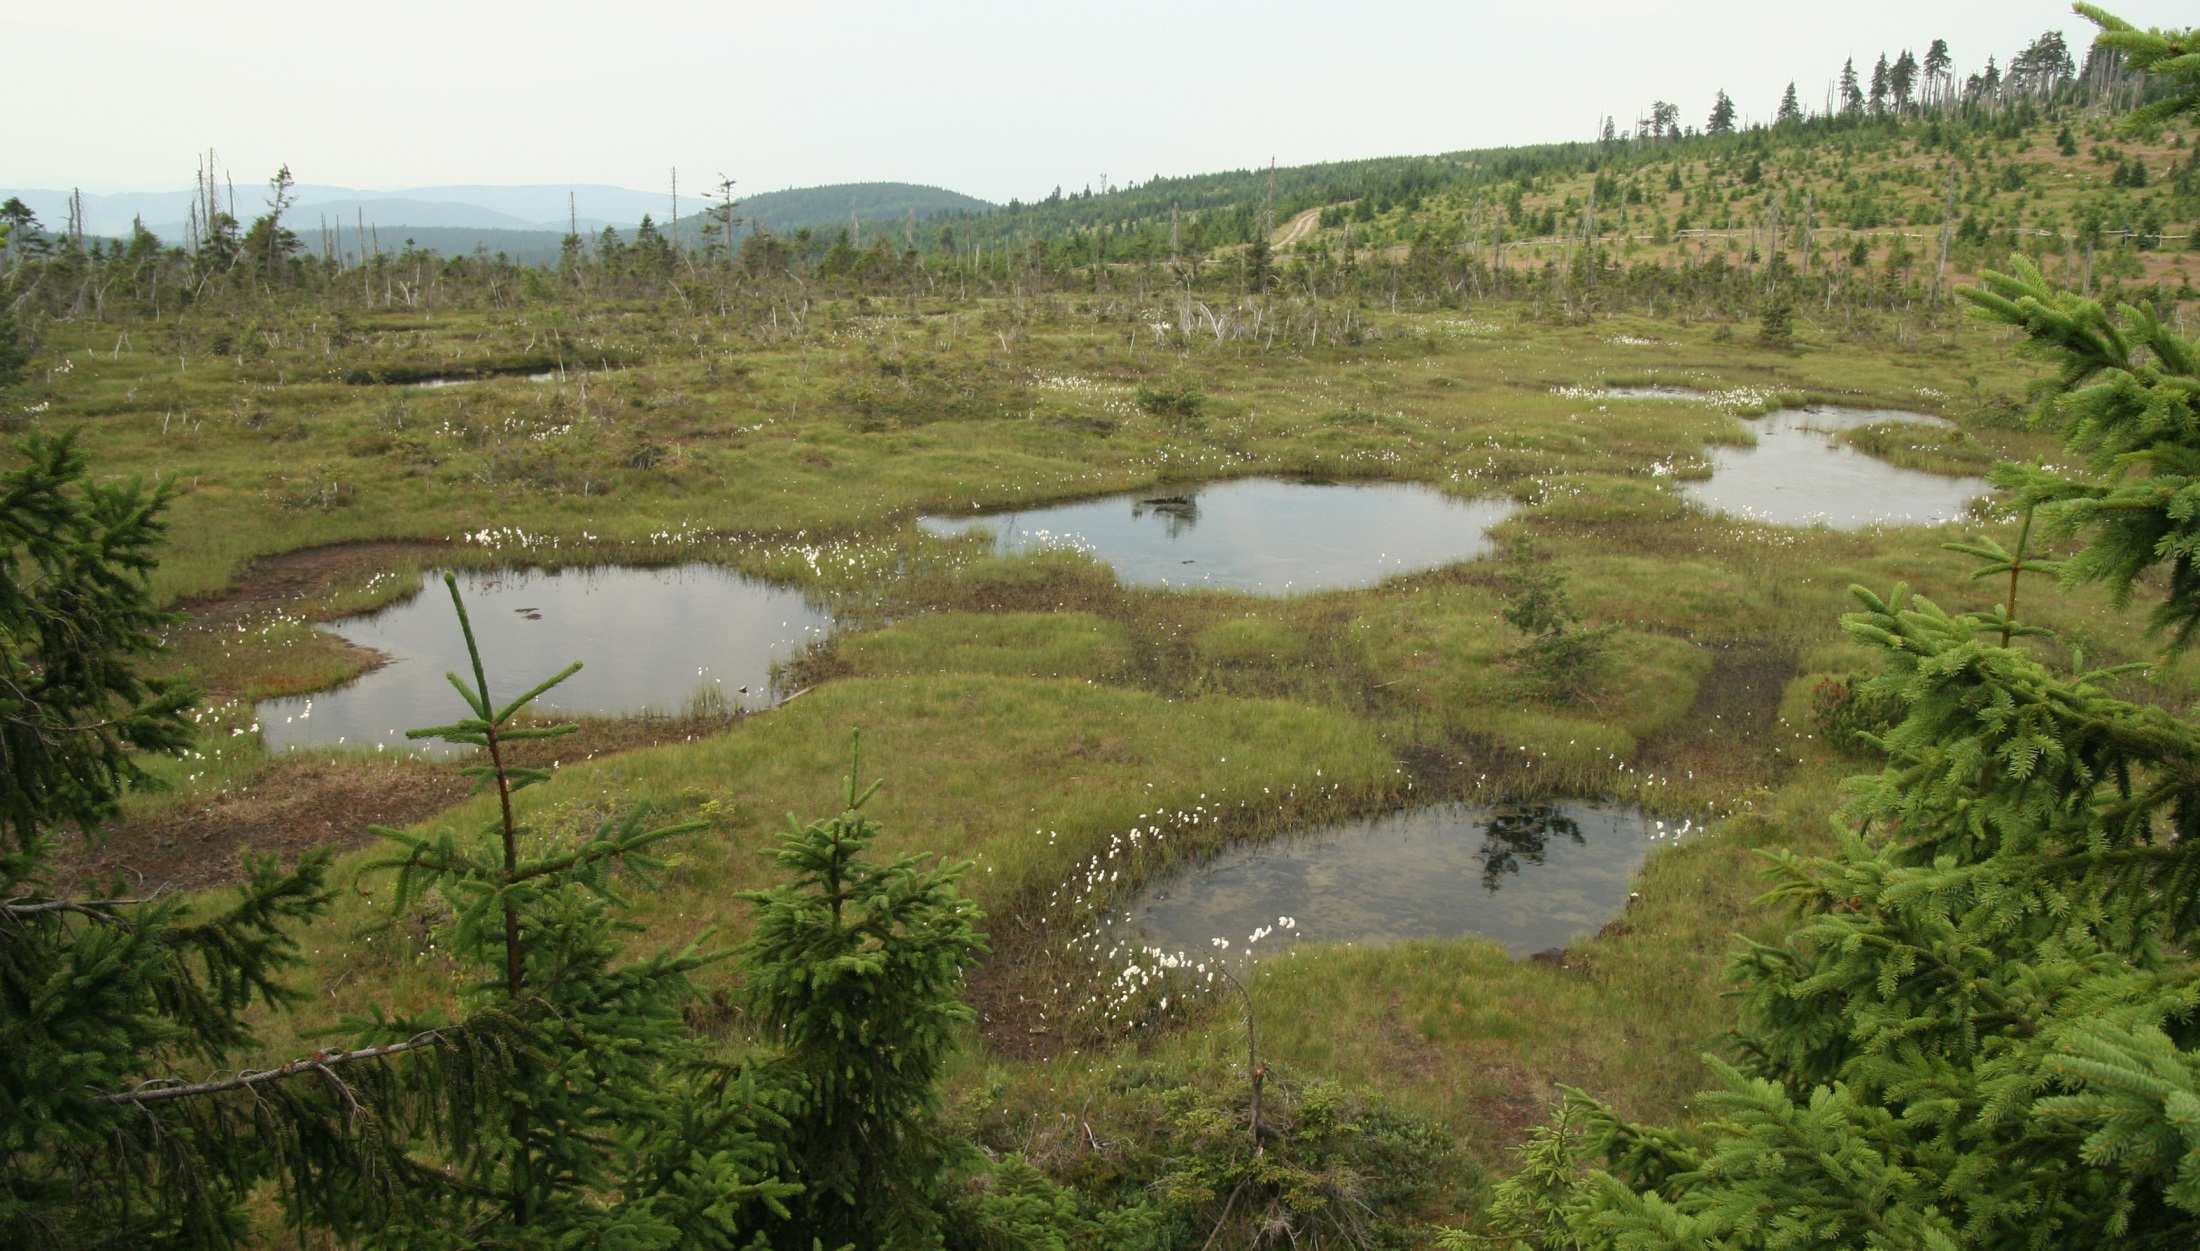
(1530, 876)
(1264, 535)
(647, 638)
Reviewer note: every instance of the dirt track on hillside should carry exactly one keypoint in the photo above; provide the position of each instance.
(1297, 228)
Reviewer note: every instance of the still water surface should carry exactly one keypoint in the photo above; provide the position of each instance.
(1799, 474)
(1268, 536)
(1530, 876)
(647, 639)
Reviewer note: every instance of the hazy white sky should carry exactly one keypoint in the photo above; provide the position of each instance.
(995, 99)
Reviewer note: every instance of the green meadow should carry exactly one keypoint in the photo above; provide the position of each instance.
(1025, 711)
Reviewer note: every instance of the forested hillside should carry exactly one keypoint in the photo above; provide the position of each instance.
(884, 207)
(2023, 158)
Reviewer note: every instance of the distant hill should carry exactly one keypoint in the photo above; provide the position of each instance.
(525, 223)
(884, 206)
(388, 214)
(488, 208)
(528, 247)
(542, 206)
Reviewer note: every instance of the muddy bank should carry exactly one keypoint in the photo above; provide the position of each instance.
(296, 804)
(281, 581)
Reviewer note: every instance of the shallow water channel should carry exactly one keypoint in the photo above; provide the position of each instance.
(1530, 876)
(470, 379)
(1269, 536)
(1800, 474)
(647, 639)
(1652, 392)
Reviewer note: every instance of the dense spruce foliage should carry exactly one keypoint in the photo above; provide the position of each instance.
(101, 997)
(74, 711)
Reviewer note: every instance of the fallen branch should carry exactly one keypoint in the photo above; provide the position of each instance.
(320, 1062)
(97, 909)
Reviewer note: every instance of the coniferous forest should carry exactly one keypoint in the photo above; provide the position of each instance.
(1620, 694)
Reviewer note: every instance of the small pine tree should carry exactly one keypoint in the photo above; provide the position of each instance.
(585, 1114)
(15, 354)
(1776, 327)
(857, 968)
(1559, 658)
(1852, 96)
(1721, 121)
(651, 251)
(1776, 322)
(271, 243)
(1902, 80)
(1260, 264)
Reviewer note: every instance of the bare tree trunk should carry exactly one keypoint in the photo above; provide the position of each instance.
(1947, 239)
(1270, 211)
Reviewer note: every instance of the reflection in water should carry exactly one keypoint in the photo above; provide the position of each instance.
(1178, 512)
(1262, 535)
(1515, 834)
(1531, 878)
(1800, 474)
(647, 639)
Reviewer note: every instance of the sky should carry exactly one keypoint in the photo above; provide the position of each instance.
(990, 98)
